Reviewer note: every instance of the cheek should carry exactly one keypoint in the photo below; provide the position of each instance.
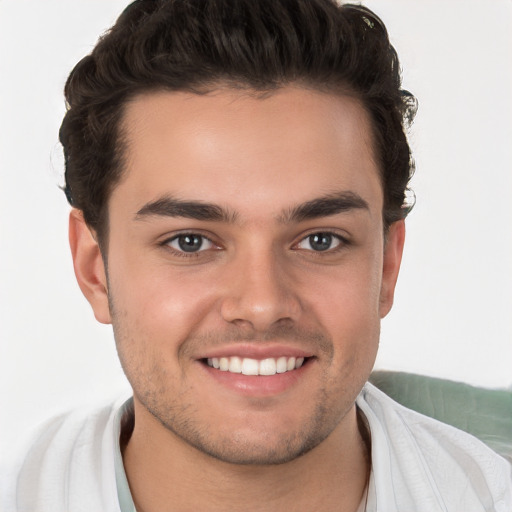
(153, 314)
(351, 317)
(349, 294)
(158, 305)
(347, 306)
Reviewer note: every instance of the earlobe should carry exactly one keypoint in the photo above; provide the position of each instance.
(391, 265)
(89, 266)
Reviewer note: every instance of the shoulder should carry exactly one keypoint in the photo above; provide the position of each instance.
(448, 468)
(66, 463)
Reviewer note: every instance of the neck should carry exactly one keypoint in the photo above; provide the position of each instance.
(166, 474)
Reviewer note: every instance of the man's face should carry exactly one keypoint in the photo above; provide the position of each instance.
(247, 233)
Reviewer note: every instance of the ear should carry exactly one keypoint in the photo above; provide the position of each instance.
(393, 250)
(89, 267)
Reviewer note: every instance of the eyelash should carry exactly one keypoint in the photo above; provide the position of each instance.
(343, 242)
(184, 254)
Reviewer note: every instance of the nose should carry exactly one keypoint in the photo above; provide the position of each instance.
(260, 292)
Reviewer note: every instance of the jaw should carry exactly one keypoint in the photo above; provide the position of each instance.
(248, 419)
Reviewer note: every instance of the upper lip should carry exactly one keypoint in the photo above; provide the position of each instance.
(256, 350)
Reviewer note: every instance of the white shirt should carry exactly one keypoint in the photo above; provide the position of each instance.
(418, 465)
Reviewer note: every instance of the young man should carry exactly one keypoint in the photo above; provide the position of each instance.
(237, 172)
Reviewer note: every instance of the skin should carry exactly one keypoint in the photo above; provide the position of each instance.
(257, 287)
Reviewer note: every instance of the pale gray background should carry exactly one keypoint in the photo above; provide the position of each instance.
(453, 309)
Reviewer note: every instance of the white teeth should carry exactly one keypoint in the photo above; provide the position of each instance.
(268, 367)
(248, 366)
(282, 365)
(235, 365)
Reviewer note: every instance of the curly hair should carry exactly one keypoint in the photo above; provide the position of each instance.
(199, 45)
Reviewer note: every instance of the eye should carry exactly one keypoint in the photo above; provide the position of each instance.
(320, 242)
(189, 243)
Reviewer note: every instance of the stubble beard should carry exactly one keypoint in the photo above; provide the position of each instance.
(182, 419)
(238, 448)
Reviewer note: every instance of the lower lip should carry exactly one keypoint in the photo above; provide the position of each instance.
(258, 385)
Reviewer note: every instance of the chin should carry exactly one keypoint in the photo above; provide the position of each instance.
(257, 440)
(255, 450)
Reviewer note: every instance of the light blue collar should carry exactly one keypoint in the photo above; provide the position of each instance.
(123, 489)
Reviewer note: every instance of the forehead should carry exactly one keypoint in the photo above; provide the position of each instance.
(253, 152)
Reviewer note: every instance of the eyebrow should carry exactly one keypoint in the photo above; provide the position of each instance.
(198, 210)
(325, 206)
(331, 204)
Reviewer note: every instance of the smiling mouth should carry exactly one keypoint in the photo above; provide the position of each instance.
(248, 366)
